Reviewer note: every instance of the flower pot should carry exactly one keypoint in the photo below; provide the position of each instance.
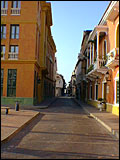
(100, 107)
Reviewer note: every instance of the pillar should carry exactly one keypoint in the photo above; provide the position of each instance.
(87, 58)
(97, 44)
(90, 53)
(93, 53)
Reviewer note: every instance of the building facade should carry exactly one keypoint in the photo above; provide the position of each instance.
(59, 85)
(102, 66)
(73, 84)
(48, 73)
(23, 50)
(80, 70)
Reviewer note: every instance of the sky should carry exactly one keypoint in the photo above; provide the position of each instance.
(70, 19)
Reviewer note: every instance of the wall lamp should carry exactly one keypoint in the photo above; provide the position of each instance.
(106, 76)
(97, 80)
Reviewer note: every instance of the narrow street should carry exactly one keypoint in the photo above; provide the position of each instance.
(64, 130)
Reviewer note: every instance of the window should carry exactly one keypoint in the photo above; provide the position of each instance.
(11, 86)
(4, 4)
(2, 82)
(14, 32)
(96, 91)
(14, 49)
(3, 31)
(117, 91)
(13, 53)
(2, 51)
(16, 4)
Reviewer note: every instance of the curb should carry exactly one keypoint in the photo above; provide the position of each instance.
(18, 130)
(114, 133)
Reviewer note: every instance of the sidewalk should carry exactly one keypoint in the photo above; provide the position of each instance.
(15, 121)
(108, 120)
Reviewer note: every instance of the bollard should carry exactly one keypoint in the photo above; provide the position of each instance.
(17, 106)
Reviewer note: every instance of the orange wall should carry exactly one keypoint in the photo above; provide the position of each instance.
(111, 33)
(24, 80)
(28, 12)
(27, 21)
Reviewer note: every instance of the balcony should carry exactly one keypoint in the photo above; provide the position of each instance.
(2, 56)
(13, 56)
(15, 11)
(113, 58)
(4, 11)
(96, 69)
(99, 63)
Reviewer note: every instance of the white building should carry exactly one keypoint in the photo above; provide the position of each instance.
(59, 85)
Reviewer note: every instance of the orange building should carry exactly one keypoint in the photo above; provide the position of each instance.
(23, 50)
(101, 49)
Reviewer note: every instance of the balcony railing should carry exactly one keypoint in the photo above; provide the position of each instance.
(2, 56)
(97, 65)
(15, 11)
(13, 56)
(4, 11)
(112, 56)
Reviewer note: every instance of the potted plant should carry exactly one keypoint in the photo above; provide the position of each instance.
(101, 104)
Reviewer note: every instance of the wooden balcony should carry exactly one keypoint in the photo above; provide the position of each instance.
(4, 11)
(113, 58)
(15, 11)
(13, 56)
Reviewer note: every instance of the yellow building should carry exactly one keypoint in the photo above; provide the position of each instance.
(48, 49)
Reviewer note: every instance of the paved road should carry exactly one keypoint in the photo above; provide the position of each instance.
(63, 131)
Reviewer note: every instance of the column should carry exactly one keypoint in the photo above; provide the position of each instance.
(93, 53)
(87, 58)
(90, 53)
(97, 44)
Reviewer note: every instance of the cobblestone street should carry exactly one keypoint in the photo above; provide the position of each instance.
(63, 130)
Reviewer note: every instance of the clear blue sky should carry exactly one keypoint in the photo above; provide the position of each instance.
(70, 19)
